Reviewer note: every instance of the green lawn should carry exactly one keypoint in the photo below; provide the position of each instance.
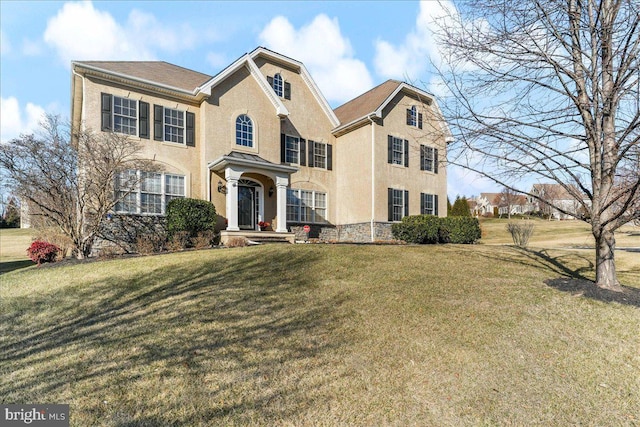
(294, 335)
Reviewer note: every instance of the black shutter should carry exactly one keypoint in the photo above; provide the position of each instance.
(312, 161)
(287, 90)
(270, 80)
(329, 157)
(420, 120)
(409, 116)
(390, 149)
(143, 120)
(390, 203)
(422, 204)
(191, 130)
(435, 160)
(302, 152)
(158, 119)
(106, 112)
(283, 148)
(406, 153)
(406, 203)
(422, 155)
(435, 204)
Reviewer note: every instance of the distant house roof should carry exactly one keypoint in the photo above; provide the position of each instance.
(153, 72)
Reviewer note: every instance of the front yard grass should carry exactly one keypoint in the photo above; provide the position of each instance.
(324, 335)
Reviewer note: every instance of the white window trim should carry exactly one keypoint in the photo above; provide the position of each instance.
(429, 163)
(137, 190)
(393, 151)
(404, 202)
(281, 94)
(136, 117)
(424, 202)
(298, 195)
(414, 116)
(287, 150)
(165, 124)
(324, 144)
(253, 134)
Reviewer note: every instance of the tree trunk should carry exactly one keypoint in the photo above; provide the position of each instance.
(606, 276)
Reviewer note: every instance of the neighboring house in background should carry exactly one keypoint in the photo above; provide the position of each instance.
(261, 143)
(556, 195)
(486, 203)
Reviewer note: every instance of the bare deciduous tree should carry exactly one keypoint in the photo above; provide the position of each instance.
(67, 180)
(548, 90)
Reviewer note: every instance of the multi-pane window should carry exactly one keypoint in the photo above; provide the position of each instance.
(319, 155)
(140, 192)
(306, 206)
(278, 85)
(151, 192)
(173, 125)
(244, 131)
(125, 117)
(398, 204)
(397, 151)
(428, 159)
(292, 149)
(126, 196)
(428, 204)
(174, 187)
(412, 116)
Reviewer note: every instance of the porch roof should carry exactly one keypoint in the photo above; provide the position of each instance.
(248, 160)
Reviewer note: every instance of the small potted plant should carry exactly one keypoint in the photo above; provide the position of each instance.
(263, 225)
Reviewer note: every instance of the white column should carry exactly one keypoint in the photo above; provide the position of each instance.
(232, 177)
(281, 200)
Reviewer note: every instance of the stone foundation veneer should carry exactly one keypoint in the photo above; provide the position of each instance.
(355, 233)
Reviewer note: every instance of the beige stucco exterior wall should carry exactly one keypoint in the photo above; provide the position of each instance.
(409, 178)
(353, 187)
(175, 158)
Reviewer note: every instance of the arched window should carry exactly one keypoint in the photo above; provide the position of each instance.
(412, 116)
(277, 84)
(244, 131)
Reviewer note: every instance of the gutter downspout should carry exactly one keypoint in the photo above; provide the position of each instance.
(82, 123)
(373, 183)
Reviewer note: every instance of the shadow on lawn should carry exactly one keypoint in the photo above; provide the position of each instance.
(6, 267)
(223, 337)
(575, 282)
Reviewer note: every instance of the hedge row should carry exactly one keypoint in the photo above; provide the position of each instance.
(429, 229)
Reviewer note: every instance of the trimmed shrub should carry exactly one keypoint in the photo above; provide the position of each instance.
(460, 229)
(41, 252)
(428, 229)
(237, 242)
(150, 244)
(190, 215)
(418, 229)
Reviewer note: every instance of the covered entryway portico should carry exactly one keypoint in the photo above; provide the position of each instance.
(250, 182)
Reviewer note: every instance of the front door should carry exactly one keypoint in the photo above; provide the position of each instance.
(246, 207)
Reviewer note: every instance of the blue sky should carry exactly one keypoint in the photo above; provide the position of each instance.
(348, 47)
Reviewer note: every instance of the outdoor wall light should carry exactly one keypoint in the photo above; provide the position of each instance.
(221, 188)
(271, 191)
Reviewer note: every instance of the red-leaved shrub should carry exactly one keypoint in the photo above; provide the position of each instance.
(40, 252)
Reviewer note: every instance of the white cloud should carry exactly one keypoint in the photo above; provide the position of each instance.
(81, 32)
(16, 121)
(217, 60)
(411, 58)
(325, 52)
(5, 45)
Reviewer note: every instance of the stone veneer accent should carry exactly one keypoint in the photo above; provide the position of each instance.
(356, 233)
(121, 232)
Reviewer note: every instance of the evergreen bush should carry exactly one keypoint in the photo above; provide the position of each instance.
(428, 229)
(191, 215)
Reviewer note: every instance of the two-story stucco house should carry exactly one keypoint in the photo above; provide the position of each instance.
(261, 143)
